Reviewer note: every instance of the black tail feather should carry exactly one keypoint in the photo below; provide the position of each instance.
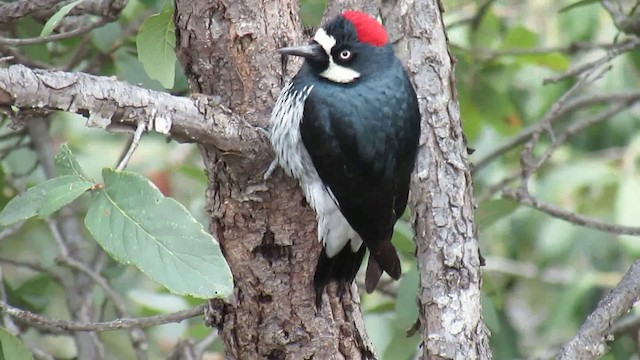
(374, 272)
(383, 257)
(387, 257)
(343, 268)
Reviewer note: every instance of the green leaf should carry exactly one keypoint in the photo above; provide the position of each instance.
(472, 118)
(130, 69)
(628, 212)
(578, 4)
(5, 195)
(194, 172)
(12, 348)
(566, 302)
(401, 347)
(490, 315)
(380, 329)
(57, 17)
(28, 27)
(581, 24)
(487, 33)
(553, 61)
(311, 12)
(496, 107)
(406, 306)
(493, 210)
(44, 198)
(105, 37)
(403, 237)
(33, 294)
(137, 225)
(519, 37)
(156, 42)
(66, 163)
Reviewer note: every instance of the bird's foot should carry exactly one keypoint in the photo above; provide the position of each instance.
(272, 167)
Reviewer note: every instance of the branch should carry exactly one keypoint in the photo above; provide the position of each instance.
(18, 9)
(113, 104)
(526, 199)
(55, 37)
(628, 24)
(575, 47)
(550, 275)
(623, 47)
(590, 341)
(56, 325)
(68, 233)
(554, 116)
(573, 130)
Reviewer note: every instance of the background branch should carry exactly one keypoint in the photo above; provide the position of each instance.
(56, 325)
(590, 341)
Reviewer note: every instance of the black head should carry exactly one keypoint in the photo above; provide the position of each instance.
(349, 47)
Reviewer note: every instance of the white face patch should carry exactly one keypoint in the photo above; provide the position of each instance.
(336, 73)
(325, 40)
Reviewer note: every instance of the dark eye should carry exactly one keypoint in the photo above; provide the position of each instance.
(345, 55)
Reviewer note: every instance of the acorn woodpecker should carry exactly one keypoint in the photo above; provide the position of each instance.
(347, 128)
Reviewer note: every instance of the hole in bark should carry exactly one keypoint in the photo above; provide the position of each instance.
(269, 249)
(83, 112)
(264, 298)
(276, 354)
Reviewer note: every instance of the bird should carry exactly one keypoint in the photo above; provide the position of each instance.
(347, 127)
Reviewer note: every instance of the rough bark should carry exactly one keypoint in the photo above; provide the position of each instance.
(441, 191)
(118, 106)
(267, 234)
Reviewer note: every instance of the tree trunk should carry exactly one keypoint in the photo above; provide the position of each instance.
(441, 199)
(268, 234)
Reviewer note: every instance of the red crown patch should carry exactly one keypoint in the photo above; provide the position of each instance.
(369, 30)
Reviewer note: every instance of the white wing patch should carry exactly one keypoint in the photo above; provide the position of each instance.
(333, 229)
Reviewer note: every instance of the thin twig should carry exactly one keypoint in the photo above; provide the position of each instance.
(575, 128)
(629, 24)
(570, 49)
(627, 45)
(553, 117)
(203, 344)
(133, 146)
(527, 160)
(16, 57)
(66, 230)
(7, 321)
(136, 335)
(552, 275)
(55, 37)
(10, 230)
(56, 325)
(34, 267)
(131, 29)
(557, 212)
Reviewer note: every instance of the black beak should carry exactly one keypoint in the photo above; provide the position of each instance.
(312, 51)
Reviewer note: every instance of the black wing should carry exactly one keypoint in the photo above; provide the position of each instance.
(363, 142)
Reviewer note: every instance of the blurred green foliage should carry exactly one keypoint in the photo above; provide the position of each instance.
(543, 275)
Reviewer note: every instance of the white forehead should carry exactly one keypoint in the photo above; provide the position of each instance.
(325, 40)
